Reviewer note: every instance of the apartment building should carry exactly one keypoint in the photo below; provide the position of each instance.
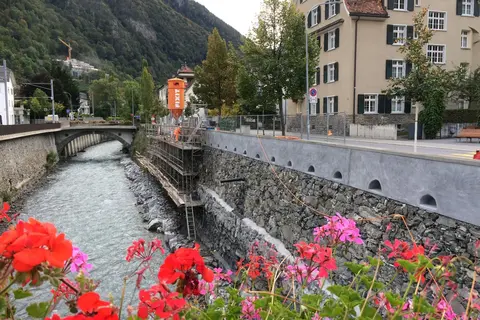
(360, 41)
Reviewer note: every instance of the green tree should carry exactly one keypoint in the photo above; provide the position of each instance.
(466, 85)
(147, 94)
(215, 79)
(274, 55)
(107, 93)
(39, 103)
(426, 83)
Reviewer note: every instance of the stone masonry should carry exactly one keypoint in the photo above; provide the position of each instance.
(271, 202)
(22, 161)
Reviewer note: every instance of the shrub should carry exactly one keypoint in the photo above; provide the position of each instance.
(461, 116)
(51, 160)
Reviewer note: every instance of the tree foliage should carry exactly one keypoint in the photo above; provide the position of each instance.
(274, 57)
(112, 35)
(466, 85)
(426, 84)
(215, 79)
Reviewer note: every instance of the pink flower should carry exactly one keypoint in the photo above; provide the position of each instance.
(206, 287)
(303, 273)
(79, 261)
(445, 309)
(219, 276)
(338, 229)
(248, 309)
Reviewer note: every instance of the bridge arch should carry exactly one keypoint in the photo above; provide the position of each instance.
(64, 137)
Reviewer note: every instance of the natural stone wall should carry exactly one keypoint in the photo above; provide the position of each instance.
(273, 202)
(23, 160)
(382, 119)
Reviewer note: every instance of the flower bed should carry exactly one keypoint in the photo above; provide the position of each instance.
(264, 286)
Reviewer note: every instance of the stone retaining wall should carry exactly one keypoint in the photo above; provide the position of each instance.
(273, 202)
(23, 160)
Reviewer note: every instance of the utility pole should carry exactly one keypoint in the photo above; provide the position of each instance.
(93, 104)
(53, 101)
(307, 97)
(5, 75)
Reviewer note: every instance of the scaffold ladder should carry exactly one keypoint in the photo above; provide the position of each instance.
(190, 217)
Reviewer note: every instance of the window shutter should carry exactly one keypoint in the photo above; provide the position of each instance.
(337, 8)
(325, 42)
(408, 106)
(361, 104)
(408, 69)
(410, 5)
(309, 22)
(318, 106)
(336, 72)
(388, 105)
(388, 69)
(318, 76)
(327, 12)
(389, 34)
(409, 32)
(381, 103)
(325, 105)
(337, 37)
(390, 4)
(319, 12)
(335, 104)
(319, 40)
(325, 74)
(476, 9)
(459, 7)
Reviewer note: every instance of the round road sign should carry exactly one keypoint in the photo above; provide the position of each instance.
(313, 92)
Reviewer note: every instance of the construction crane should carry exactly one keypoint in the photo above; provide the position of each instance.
(69, 48)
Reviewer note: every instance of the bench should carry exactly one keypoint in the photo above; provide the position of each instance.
(469, 133)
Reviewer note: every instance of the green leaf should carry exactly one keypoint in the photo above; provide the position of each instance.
(38, 310)
(219, 303)
(407, 265)
(312, 300)
(356, 268)
(3, 305)
(21, 294)
(370, 313)
(394, 299)
(420, 304)
(375, 261)
(348, 296)
(332, 308)
(367, 281)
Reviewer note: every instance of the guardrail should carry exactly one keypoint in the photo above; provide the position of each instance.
(22, 128)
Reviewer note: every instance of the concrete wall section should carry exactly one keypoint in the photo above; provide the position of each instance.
(435, 184)
(23, 160)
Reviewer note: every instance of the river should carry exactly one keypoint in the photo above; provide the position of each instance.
(89, 199)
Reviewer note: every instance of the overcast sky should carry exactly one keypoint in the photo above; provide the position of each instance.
(240, 14)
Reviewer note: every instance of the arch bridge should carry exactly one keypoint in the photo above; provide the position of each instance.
(123, 134)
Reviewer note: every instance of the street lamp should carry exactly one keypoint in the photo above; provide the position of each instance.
(70, 98)
(260, 91)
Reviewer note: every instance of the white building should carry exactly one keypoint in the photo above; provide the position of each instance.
(7, 110)
(79, 67)
(188, 75)
(84, 105)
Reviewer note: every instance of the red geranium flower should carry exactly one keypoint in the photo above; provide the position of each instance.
(33, 243)
(161, 302)
(3, 212)
(91, 307)
(315, 253)
(185, 264)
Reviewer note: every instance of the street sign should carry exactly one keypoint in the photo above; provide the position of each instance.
(313, 95)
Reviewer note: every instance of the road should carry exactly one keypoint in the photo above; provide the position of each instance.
(449, 148)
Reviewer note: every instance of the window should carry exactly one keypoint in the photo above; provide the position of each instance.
(371, 103)
(398, 105)
(399, 34)
(436, 53)
(464, 39)
(417, 3)
(331, 40)
(467, 7)
(398, 69)
(437, 20)
(314, 17)
(331, 9)
(316, 80)
(400, 5)
(331, 105)
(462, 104)
(331, 72)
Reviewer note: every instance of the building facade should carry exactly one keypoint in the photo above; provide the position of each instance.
(360, 41)
(7, 114)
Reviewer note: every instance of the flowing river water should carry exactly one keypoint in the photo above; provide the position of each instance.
(89, 199)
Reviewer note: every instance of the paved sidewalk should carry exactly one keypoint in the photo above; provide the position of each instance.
(450, 148)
